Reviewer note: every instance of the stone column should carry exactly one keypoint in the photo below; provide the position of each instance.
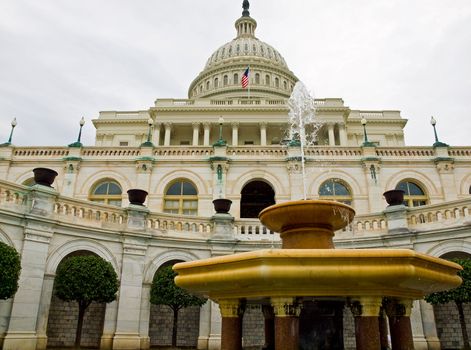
(214, 340)
(330, 129)
(343, 135)
(286, 323)
(398, 312)
(127, 335)
(366, 312)
(196, 133)
(43, 313)
(269, 327)
(71, 168)
(235, 133)
(168, 131)
(206, 135)
(445, 169)
(156, 133)
(204, 326)
(372, 169)
(396, 215)
(145, 316)
(231, 332)
(109, 326)
(22, 329)
(429, 326)
(263, 134)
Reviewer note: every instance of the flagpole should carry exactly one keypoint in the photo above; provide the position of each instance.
(248, 90)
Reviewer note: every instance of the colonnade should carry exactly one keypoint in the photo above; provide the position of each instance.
(263, 128)
(282, 323)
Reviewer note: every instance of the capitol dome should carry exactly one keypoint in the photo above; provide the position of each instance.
(269, 75)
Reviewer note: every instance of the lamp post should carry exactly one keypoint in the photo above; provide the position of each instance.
(437, 143)
(78, 143)
(366, 143)
(220, 142)
(149, 143)
(13, 124)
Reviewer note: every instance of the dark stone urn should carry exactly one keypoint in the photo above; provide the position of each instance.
(44, 176)
(394, 197)
(137, 196)
(222, 205)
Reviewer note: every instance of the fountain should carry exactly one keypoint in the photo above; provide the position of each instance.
(304, 286)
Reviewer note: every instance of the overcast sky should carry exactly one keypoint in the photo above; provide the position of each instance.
(64, 59)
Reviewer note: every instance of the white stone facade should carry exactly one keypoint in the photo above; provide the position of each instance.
(45, 224)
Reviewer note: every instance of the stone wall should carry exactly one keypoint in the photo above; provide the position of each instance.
(253, 327)
(62, 324)
(161, 323)
(448, 324)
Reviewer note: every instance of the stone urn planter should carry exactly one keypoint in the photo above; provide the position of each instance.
(137, 196)
(44, 176)
(222, 205)
(394, 197)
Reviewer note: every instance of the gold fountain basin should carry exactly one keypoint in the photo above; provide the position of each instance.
(398, 273)
(307, 224)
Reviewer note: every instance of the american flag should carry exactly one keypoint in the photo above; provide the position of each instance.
(245, 78)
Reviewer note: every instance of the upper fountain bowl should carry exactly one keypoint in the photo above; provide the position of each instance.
(307, 224)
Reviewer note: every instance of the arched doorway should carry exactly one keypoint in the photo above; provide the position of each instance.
(63, 318)
(447, 318)
(255, 196)
(161, 323)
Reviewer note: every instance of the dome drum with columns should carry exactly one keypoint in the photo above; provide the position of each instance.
(269, 73)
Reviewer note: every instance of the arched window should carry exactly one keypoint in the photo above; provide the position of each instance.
(216, 82)
(335, 190)
(257, 78)
(277, 82)
(207, 85)
(29, 182)
(225, 80)
(236, 79)
(469, 189)
(181, 197)
(414, 195)
(107, 192)
(285, 85)
(267, 79)
(255, 196)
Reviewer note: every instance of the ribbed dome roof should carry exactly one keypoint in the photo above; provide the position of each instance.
(269, 75)
(246, 46)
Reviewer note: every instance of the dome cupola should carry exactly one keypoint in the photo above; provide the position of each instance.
(269, 75)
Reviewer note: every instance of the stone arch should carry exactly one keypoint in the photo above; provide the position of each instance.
(260, 175)
(348, 180)
(28, 175)
(160, 317)
(161, 259)
(61, 252)
(89, 182)
(7, 240)
(256, 195)
(60, 333)
(450, 246)
(465, 185)
(183, 174)
(426, 183)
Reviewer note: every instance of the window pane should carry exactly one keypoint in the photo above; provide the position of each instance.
(171, 204)
(340, 189)
(115, 202)
(415, 190)
(102, 189)
(190, 204)
(189, 189)
(326, 189)
(175, 189)
(114, 188)
(171, 211)
(189, 212)
(402, 186)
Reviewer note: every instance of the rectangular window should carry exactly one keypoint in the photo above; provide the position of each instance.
(123, 143)
(248, 143)
(185, 143)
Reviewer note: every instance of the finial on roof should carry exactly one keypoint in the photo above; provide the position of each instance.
(245, 6)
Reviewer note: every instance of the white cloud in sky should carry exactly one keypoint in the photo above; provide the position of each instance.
(61, 60)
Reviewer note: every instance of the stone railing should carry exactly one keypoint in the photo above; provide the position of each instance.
(257, 151)
(110, 152)
(40, 152)
(166, 103)
(332, 152)
(183, 151)
(440, 215)
(253, 230)
(457, 152)
(407, 152)
(166, 223)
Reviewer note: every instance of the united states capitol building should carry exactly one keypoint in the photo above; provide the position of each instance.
(223, 141)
